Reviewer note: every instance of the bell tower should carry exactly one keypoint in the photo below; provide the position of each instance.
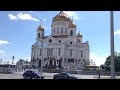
(72, 29)
(40, 32)
(79, 36)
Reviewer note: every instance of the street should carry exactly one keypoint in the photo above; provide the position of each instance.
(47, 76)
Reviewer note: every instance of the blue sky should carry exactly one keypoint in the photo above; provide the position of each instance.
(18, 32)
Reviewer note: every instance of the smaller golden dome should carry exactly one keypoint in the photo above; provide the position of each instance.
(40, 28)
(79, 35)
(72, 25)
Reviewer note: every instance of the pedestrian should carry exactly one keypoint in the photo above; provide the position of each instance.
(99, 76)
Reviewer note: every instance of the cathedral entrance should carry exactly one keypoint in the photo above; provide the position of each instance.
(50, 62)
(59, 65)
(39, 65)
(54, 63)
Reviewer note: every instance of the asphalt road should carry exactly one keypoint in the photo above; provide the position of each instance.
(47, 76)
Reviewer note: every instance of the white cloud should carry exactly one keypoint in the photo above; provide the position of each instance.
(44, 19)
(117, 32)
(3, 42)
(72, 14)
(21, 16)
(2, 52)
(98, 59)
(12, 17)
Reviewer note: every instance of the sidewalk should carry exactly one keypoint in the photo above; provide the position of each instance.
(107, 77)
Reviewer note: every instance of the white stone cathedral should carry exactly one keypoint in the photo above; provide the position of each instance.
(63, 48)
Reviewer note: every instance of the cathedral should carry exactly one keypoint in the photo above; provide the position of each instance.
(64, 48)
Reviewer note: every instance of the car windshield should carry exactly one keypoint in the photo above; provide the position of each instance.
(71, 75)
(29, 71)
(67, 74)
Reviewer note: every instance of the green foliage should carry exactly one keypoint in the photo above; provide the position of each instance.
(117, 62)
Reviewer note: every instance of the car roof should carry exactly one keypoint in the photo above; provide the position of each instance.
(67, 73)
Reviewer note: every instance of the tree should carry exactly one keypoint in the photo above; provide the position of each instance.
(117, 62)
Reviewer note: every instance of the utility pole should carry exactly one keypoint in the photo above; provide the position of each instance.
(112, 45)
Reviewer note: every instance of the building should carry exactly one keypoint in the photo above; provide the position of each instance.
(22, 64)
(92, 66)
(63, 48)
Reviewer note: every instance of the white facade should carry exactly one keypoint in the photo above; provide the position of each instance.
(63, 48)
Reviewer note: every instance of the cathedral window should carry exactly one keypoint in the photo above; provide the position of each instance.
(39, 35)
(81, 53)
(48, 52)
(54, 30)
(59, 41)
(40, 52)
(50, 40)
(71, 52)
(51, 52)
(59, 51)
(42, 34)
(57, 30)
(61, 30)
(71, 60)
(71, 33)
(66, 30)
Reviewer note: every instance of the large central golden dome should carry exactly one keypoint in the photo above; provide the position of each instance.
(61, 17)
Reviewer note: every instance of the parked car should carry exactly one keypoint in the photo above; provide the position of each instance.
(31, 74)
(64, 76)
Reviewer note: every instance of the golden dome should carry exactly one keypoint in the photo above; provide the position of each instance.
(61, 17)
(40, 28)
(72, 25)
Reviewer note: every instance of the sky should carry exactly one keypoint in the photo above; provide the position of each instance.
(18, 32)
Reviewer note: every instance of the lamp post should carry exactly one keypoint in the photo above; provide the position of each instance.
(42, 58)
(26, 63)
(112, 45)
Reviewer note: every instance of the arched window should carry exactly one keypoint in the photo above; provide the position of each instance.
(66, 31)
(54, 30)
(61, 30)
(39, 35)
(59, 41)
(50, 40)
(43, 35)
(57, 30)
(71, 33)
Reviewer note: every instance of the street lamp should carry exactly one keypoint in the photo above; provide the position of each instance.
(40, 68)
(26, 63)
(112, 45)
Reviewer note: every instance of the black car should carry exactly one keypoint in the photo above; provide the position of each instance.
(64, 76)
(31, 74)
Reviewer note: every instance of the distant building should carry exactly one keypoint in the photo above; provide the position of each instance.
(22, 64)
(63, 48)
(92, 66)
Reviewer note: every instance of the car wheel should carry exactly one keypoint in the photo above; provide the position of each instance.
(25, 77)
(54, 78)
(36, 77)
